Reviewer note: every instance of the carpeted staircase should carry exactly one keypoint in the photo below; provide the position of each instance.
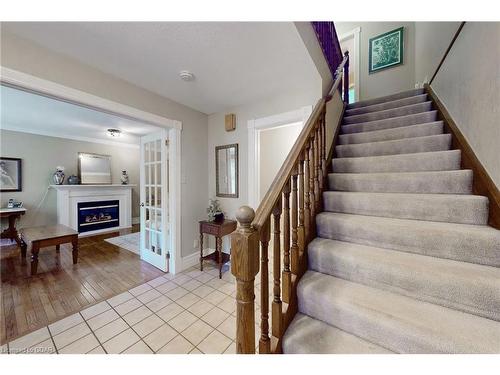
(404, 260)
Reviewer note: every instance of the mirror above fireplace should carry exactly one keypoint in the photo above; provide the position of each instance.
(94, 169)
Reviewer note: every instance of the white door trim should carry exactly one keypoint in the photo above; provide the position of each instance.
(357, 50)
(57, 91)
(255, 126)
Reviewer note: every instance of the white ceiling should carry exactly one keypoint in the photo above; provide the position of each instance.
(234, 62)
(31, 113)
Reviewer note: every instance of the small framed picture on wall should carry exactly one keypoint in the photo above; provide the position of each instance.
(11, 174)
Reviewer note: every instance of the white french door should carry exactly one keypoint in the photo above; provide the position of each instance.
(155, 219)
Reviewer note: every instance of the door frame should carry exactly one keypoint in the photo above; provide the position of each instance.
(40, 86)
(354, 33)
(255, 126)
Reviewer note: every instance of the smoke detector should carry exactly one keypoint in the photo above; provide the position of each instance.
(186, 75)
(114, 133)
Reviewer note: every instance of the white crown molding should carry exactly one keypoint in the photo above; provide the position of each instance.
(67, 136)
(54, 90)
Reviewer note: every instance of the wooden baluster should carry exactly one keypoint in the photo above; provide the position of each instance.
(294, 250)
(312, 200)
(287, 276)
(277, 319)
(307, 206)
(324, 150)
(319, 138)
(317, 193)
(264, 342)
(244, 266)
(346, 78)
(300, 231)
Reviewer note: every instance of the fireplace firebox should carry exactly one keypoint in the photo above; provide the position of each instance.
(98, 215)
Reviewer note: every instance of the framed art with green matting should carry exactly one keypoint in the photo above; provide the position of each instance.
(386, 50)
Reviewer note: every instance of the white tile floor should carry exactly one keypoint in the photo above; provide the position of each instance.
(191, 312)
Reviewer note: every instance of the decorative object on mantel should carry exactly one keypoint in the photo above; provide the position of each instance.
(124, 178)
(11, 174)
(230, 121)
(214, 212)
(58, 176)
(386, 50)
(73, 180)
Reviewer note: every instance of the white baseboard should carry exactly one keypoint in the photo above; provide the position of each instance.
(136, 220)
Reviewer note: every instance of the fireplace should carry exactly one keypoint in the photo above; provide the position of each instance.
(97, 215)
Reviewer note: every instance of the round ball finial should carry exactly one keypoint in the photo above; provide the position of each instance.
(245, 216)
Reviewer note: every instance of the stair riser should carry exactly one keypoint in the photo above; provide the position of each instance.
(449, 182)
(424, 239)
(388, 98)
(403, 330)
(306, 335)
(459, 286)
(397, 122)
(441, 161)
(396, 112)
(387, 105)
(421, 130)
(402, 146)
(454, 209)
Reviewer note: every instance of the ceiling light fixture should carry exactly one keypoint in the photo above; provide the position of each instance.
(186, 75)
(114, 133)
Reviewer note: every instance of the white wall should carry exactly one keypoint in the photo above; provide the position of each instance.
(468, 85)
(22, 55)
(41, 154)
(431, 41)
(308, 36)
(387, 81)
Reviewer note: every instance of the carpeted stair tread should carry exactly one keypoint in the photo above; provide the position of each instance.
(388, 113)
(424, 161)
(440, 142)
(451, 208)
(393, 321)
(306, 335)
(419, 130)
(386, 105)
(387, 98)
(464, 242)
(395, 122)
(462, 286)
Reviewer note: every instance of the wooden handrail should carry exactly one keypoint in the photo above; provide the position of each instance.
(284, 220)
(457, 33)
(284, 173)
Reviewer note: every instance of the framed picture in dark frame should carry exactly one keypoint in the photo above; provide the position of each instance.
(386, 50)
(11, 170)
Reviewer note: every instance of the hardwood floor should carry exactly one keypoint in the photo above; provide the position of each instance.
(61, 288)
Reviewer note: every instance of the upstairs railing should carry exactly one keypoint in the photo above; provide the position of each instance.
(284, 221)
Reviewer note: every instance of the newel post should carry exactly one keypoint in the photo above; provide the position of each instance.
(245, 266)
(346, 78)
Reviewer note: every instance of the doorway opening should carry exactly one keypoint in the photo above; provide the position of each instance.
(270, 140)
(158, 163)
(350, 41)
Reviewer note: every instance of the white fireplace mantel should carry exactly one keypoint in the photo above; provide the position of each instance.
(68, 197)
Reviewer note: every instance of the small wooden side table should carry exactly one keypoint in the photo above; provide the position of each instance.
(13, 214)
(218, 229)
(38, 237)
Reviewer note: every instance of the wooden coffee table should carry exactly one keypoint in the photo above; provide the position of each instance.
(39, 237)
